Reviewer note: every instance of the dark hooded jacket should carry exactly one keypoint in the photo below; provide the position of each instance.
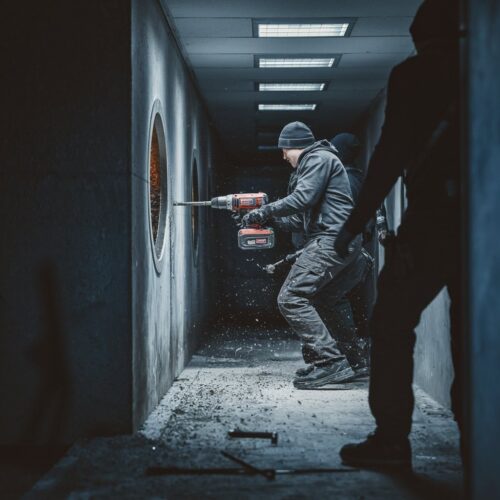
(348, 147)
(322, 195)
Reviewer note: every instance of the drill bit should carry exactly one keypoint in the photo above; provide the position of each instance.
(192, 203)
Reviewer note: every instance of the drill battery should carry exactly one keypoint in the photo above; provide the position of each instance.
(256, 238)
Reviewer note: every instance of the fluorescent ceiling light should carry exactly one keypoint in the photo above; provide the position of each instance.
(296, 62)
(267, 148)
(287, 107)
(303, 29)
(291, 87)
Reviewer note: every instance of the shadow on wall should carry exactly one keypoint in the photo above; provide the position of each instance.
(49, 356)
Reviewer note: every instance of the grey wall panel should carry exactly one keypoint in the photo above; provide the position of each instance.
(92, 333)
(483, 263)
(170, 304)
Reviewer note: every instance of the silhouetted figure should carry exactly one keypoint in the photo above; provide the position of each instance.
(319, 204)
(419, 141)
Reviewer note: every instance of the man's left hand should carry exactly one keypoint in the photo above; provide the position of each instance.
(257, 216)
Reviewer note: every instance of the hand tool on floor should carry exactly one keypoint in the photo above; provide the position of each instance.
(269, 474)
(253, 237)
(289, 259)
(236, 433)
(233, 471)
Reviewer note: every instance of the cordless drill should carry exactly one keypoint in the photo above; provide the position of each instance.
(253, 237)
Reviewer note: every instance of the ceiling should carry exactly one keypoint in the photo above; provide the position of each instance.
(217, 39)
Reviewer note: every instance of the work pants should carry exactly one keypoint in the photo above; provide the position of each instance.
(320, 279)
(419, 265)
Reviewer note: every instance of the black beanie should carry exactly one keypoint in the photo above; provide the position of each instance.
(296, 135)
(347, 146)
(436, 19)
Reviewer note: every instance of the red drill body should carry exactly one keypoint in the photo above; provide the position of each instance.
(249, 238)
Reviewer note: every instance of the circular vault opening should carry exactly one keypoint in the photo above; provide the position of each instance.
(158, 185)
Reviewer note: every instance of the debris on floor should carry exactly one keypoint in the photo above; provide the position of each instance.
(250, 390)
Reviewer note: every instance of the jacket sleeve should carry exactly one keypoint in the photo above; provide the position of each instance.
(291, 223)
(391, 154)
(311, 184)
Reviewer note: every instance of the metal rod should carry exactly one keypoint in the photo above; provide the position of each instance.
(236, 433)
(267, 473)
(228, 471)
(192, 203)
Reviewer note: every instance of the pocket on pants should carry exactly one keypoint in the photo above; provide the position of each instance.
(303, 281)
(314, 259)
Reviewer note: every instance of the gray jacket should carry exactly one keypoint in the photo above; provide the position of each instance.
(322, 195)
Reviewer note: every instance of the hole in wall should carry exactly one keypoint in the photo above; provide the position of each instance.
(158, 185)
(195, 211)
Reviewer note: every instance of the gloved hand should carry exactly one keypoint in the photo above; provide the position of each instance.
(257, 216)
(341, 245)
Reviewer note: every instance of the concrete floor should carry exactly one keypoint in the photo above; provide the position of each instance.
(243, 380)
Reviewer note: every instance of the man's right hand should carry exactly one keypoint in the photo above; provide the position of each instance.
(257, 216)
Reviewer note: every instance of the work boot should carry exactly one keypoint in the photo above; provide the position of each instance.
(335, 373)
(362, 369)
(357, 354)
(377, 452)
(306, 370)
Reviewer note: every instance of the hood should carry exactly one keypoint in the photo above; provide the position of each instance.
(322, 145)
(348, 147)
(436, 20)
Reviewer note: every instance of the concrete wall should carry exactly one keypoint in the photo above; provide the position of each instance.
(171, 299)
(433, 366)
(483, 243)
(91, 335)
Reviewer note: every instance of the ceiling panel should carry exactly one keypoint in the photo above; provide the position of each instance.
(352, 74)
(214, 27)
(297, 45)
(217, 40)
(222, 60)
(382, 26)
(292, 8)
(332, 95)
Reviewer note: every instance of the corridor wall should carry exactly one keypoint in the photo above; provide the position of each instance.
(99, 308)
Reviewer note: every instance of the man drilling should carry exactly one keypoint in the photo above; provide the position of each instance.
(419, 141)
(320, 203)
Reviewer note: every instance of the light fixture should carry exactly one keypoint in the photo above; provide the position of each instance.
(291, 87)
(265, 147)
(287, 107)
(302, 29)
(296, 62)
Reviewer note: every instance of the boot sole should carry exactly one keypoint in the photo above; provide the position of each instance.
(363, 372)
(334, 378)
